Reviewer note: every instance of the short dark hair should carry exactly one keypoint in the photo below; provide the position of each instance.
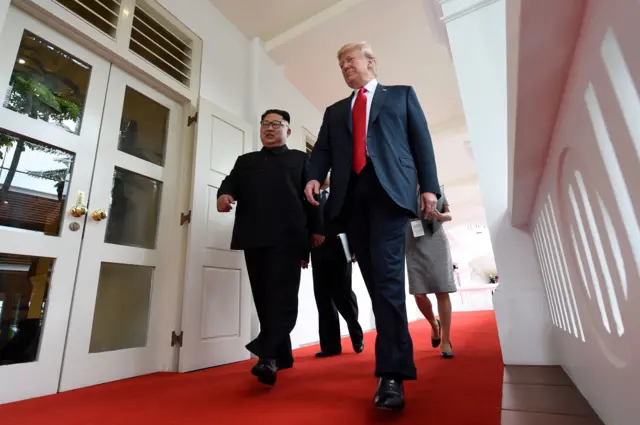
(284, 114)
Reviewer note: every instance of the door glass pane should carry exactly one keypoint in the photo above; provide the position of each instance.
(24, 286)
(134, 210)
(121, 316)
(143, 128)
(34, 181)
(48, 84)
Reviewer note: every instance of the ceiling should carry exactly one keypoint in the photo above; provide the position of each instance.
(410, 44)
(268, 19)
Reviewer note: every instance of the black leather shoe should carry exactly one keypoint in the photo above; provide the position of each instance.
(266, 371)
(281, 365)
(323, 354)
(390, 395)
(358, 347)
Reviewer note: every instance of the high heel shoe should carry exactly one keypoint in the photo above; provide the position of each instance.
(435, 343)
(448, 355)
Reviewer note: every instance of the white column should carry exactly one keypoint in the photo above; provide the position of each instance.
(252, 116)
(4, 9)
(478, 40)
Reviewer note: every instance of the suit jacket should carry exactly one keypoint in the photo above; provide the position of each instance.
(329, 228)
(268, 186)
(398, 144)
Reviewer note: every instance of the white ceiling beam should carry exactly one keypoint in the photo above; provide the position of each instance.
(304, 26)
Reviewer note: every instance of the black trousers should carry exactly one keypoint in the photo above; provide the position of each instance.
(274, 274)
(376, 232)
(333, 293)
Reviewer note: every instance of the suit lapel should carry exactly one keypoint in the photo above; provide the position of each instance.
(346, 112)
(378, 100)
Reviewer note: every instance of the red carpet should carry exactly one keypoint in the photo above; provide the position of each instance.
(464, 391)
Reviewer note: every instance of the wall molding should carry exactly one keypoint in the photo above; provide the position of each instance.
(447, 18)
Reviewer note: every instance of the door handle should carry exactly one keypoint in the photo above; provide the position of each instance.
(99, 215)
(80, 208)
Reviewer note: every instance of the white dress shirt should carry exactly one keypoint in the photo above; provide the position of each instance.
(371, 90)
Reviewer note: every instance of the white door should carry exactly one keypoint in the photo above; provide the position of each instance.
(216, 315)
(53, 93)
(120, 323)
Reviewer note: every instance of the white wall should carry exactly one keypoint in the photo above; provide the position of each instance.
(4, 7)
(477, 35)
(226, 55)
(592, 253)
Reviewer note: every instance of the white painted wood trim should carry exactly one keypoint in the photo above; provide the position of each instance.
(449, 17)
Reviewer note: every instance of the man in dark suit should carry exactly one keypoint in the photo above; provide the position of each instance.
(377, 145)
(332, 287)
(272, 225)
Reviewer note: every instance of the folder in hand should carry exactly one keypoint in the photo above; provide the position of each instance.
(345, 247)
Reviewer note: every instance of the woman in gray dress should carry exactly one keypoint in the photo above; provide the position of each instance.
(430, 271)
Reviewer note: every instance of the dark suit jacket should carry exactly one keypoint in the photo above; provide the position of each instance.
(268, 186)
(329, 228)
(398, 143)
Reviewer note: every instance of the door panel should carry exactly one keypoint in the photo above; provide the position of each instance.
(116, 329)
(216, 314)
(53, 95)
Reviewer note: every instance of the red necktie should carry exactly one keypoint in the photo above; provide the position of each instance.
(359, 118)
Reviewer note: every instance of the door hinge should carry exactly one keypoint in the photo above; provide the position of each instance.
(176, 339)
(185, 218)
(192, 119)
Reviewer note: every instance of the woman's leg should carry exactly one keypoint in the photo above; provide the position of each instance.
(444, 311)
(424, 305)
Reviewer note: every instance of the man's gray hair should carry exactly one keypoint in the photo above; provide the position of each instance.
(363, 47)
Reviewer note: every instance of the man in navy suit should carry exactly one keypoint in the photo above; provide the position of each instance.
(377, 144)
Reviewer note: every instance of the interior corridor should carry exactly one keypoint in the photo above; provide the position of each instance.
(472, 389)
(316, 391)
(122, 302)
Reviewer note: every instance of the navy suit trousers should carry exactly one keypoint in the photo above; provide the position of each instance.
(376, 231)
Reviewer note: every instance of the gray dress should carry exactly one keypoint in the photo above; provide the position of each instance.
(429, 262)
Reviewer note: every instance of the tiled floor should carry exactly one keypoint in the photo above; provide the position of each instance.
(533, 395)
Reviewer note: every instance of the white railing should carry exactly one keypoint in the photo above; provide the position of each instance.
(586, 223)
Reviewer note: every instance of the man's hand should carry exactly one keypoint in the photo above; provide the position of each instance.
(304, 264)
(312, 189)
(316, 240)
(428, 203)
(225, 202)
(438, 216)
(435, 215)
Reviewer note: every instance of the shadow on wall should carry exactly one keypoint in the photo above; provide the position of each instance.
(586, 227)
